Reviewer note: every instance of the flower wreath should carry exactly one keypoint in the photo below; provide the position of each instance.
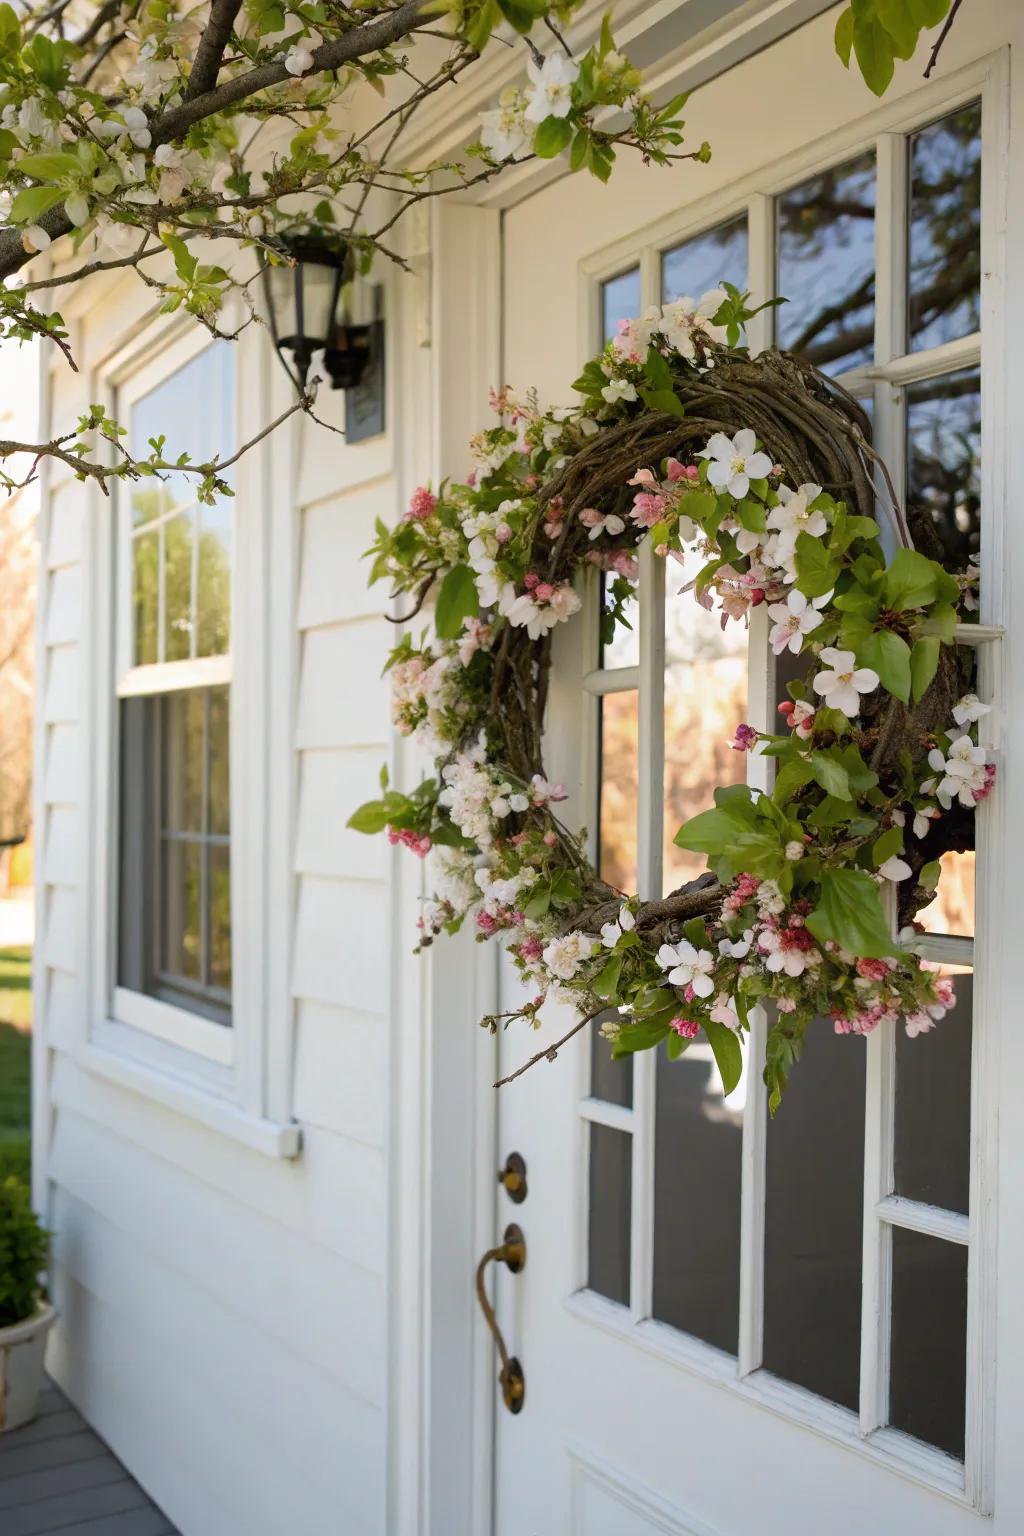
(756, 473)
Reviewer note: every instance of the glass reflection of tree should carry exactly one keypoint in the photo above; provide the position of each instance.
(827, 266)
(945, 216)
(213, 591)
(943, 470)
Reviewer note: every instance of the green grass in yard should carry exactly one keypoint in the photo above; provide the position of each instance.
(15, 1054)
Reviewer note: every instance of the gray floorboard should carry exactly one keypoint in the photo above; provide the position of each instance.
(57, 1478)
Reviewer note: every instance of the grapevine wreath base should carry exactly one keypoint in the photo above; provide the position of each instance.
(755, 479)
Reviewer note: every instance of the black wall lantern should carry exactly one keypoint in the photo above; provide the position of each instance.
(303, 295)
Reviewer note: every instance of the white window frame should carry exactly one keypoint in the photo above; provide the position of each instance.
(173, 1023)
(970, 1482)
(233, 1078)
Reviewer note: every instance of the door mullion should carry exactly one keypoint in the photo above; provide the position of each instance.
(650, 817)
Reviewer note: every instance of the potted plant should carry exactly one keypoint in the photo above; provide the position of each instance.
(25, 1314)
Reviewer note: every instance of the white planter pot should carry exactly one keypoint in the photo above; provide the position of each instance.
(22, 1347)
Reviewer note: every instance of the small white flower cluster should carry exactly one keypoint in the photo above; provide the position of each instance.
(563, 956)
(451, 877)
(501, 893)
(509, 128)
(426, 700)
(680, 325)
(478, 799)
(964, 772)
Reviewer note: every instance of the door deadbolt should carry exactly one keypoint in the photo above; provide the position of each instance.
(513, 1178)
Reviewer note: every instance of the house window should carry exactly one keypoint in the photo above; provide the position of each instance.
(830, 1248)
(174, 691)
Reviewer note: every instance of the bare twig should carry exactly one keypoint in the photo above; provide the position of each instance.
(551, 1052)
(933, 58)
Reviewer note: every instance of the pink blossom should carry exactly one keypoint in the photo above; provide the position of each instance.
(422, 505)
(872, 970)
(551, 839)
(676, 471)
(543, 592)
(647, 509)
(531, 580)
(485, 922)
(503, 533)
(420, 843)
(643, 477)
(531, 948)
(624, 564)
(687, 1028)
(745, 738)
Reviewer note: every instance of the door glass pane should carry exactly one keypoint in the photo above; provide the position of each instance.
(705, 700)
(219, 936)
(929, 1339)
(692, 268)
(617, 847)
(620, 300)
(698, 1141)
(945, 229)
(623, 649)
(814, 1217)
(177, 532)
(610, 1080)
(183, 729)
(611, 1186)
(944, 466)
(213, 595)
(218, 749)
(826, 267)
(933, 1107)
(952, 908)
(181, 925)
(145, 597)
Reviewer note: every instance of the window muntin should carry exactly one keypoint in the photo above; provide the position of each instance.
(620, 300)
(174, 863)
(893, 1202)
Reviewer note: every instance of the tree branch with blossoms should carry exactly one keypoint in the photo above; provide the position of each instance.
(754, 477)
(149, 132)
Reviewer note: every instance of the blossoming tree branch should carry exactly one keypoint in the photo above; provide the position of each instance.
(193, 146)
(755, 480)
(189, 144)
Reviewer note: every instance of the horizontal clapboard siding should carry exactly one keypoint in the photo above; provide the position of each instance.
(224, 1315)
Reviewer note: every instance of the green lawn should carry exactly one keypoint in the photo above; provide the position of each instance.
(15, 1053)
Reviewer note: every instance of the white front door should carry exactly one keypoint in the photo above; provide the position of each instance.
(729, 1325)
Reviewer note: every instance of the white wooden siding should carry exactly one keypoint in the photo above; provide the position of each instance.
(224, 1314)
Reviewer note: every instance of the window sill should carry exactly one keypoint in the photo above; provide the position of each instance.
(273, 1138)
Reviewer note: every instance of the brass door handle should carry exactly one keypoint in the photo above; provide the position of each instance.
(513, 1178)
(511, 1252)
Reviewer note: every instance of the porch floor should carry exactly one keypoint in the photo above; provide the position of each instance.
(58, 1478)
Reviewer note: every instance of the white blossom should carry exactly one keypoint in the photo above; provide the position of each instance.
(503, 131)
(550, 88)
(970, 709)
(563, 956)
(688, 966)
(794, 618)
(735, 461)
(842, 686)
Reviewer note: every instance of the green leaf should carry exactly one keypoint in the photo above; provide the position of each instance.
(184, 262)
(606, 983)
(816, 571)
(832, 776)
(886, 846)
(371, 817)
(521, 13)
(10, 30)
(924, 663)
(929, 876)
(662, 400)
(553, 135)
(580, 150)
(48, 167)
(457, 600)
(481, 26)
(889, 656)
(539, 902)
(32, 202)
(900, 25)
(675, 1045)
(791, 777)
(928, 13)
(728, 1053)
(844, 35)
(941, 621)
(714, 831)
(849, 911)
(910, 580)
(643, 1035)
(873, 47)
